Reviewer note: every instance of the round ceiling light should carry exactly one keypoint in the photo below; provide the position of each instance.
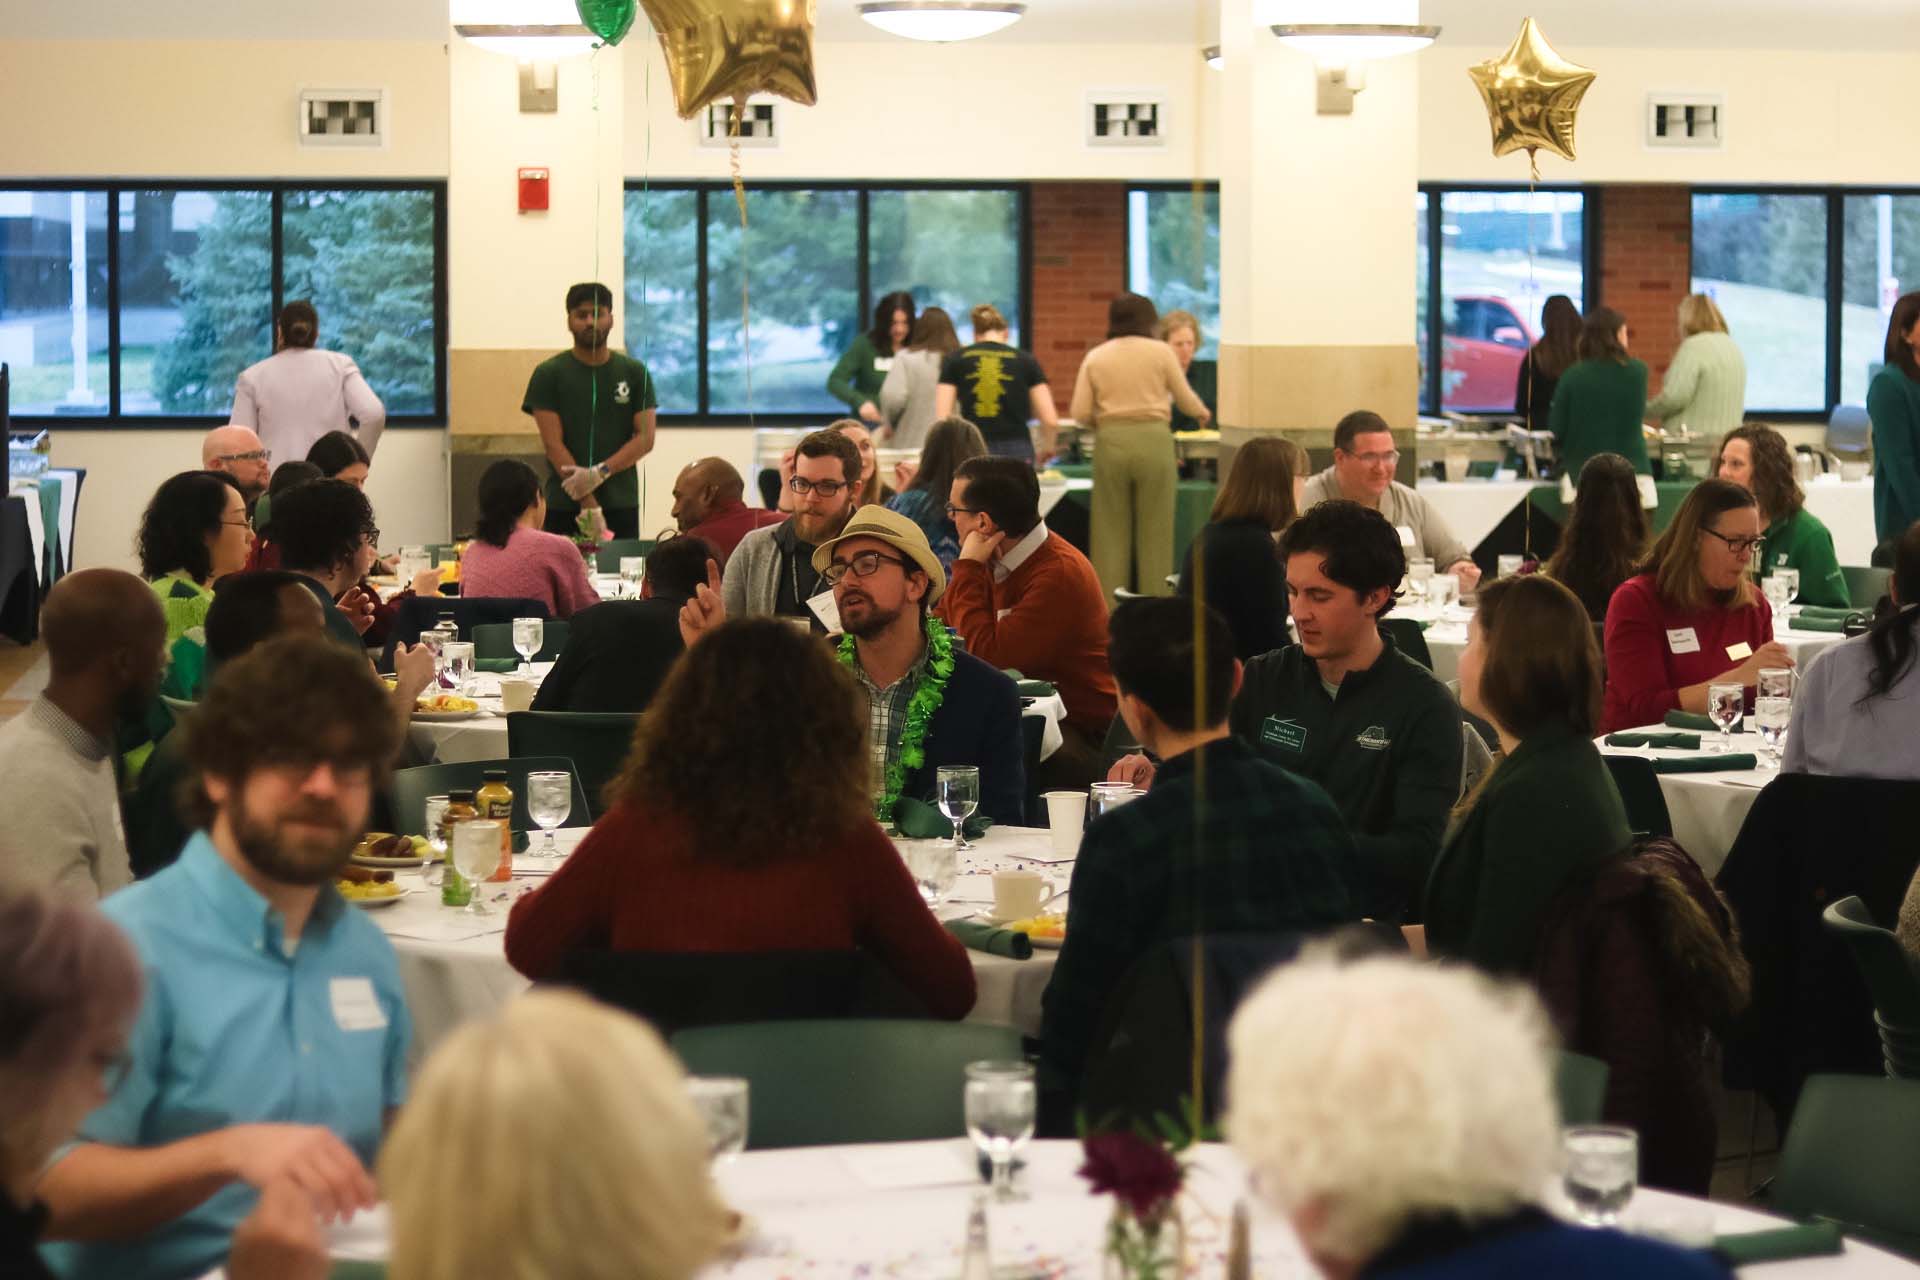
(531, 30)
(1338, 44)
(942, 21)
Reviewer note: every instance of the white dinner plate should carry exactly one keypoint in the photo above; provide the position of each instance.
(445, 717)
(374, 903)
(394, 864)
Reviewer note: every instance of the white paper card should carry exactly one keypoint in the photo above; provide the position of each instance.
(903, 1165)
(827, 609)
(1683, 640)
(1740, 652)
(355, 1007)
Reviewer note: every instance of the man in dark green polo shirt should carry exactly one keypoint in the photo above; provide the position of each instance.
(1347, 709)
(595, 408)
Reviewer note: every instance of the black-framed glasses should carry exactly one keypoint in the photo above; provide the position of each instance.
(245, 523)
(864, 565)
(955, 509)
(825, 488)
(251, 455)
(1739, 546)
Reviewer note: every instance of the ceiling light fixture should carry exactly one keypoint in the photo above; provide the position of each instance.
(1337, 44)
(1212, 55)
(1343, 37)
(530, 30)
(942, 21)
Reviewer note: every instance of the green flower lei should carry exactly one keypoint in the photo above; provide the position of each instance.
(921, 707)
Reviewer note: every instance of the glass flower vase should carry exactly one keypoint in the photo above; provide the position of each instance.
(1145, 1247)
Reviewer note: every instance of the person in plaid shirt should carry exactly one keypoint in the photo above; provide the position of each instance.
(1258, 850)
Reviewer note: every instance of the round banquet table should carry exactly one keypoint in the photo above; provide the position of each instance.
(900, 1210)
(455, 969)
(1707, 808)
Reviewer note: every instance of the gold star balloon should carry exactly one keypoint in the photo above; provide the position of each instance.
(718, 49)
(1532, 95)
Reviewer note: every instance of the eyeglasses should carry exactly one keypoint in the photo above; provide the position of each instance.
(251, 455)
(1390, 458)
(242, 524)
(864, 565)
(954, 509)
(1739, 546)
(825, 488)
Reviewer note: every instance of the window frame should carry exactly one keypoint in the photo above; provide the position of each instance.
(276, 189)
(706, 189)
(1210, 186)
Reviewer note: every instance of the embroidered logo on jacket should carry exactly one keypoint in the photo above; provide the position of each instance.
(1374, 738)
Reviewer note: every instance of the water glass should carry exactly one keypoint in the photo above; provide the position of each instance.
(1770, 716)
(413, 562)
(456, 659)
(528, 635)
(935, 865)
(436, 813)
(1726, 703)
(633, 569)
(476, 855)
(1778, 592)
(958, 791)
(1000, 1109)
(1602, 1166)
(722, 1104)
(549, 801)
(1774, 682)
(1108, 796)
(1508, 566)
(1792, 577)
(1419, 573)
(1442, 590)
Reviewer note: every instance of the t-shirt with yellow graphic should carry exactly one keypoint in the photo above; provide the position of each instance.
(994, 383)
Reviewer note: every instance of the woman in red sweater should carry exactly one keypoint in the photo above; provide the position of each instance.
(511, 555)
(1691, 617)
(743, 823)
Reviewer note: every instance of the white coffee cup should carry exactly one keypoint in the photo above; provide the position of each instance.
(1019, 894)
(1066, 816)
(516, 695)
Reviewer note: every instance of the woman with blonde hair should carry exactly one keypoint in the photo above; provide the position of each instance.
(1691, 617)
(553, 1142)
(1755, 457)
(907, 396)
(1705, 388)
(1181, 331)
(1237, 569)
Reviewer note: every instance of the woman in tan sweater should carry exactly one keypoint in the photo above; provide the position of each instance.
(1126, 391)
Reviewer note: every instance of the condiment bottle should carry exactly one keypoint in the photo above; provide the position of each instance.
(495, 800)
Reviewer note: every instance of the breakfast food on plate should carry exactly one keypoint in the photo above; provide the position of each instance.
(446, 702)
(1051, 476)
(378, 844)
(1045, 926)
(364, 882)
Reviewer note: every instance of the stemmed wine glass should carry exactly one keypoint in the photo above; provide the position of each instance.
(549, 801)
(476, 854)
(1000, 1107)
(528, 634)
(959, 795)
(1778, 592)
(1726, 703)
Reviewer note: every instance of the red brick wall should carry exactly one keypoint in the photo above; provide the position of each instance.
(1079, 264)
(1645, 254)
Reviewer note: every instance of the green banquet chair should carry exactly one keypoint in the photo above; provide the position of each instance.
(1892, 976)
(598, 743)
(607, 556)
(865, 1080)
(1580, 1085)
(1852, 1155)
(411, 787)
(1865, 585)
(1639, 788)
(493, 641)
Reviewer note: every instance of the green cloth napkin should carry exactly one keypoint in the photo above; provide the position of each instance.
(504, 666)
(1820, 623)
(992, 939)
(1694, 720)
(1810, 1240)
(1822, 611)
(1705, 764)
(1672, 741)
(918, 820)
(1035, 689)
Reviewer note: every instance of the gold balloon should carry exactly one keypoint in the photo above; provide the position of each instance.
(1532, 95)
(720, 49)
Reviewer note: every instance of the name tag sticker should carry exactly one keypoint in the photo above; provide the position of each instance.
(355, 1007)
(1406, 534)
(1740, 652)
(1683, 640)
(882, 363)
(827, 609)
(1288, 735)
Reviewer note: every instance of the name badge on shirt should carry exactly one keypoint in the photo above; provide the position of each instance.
(1288, 735)
(827, 609)
(882, 363)
(355, 1007)
(1740, 652)
(1406, 534)
(1683, 640)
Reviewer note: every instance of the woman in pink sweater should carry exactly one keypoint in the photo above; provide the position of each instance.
(510, 556)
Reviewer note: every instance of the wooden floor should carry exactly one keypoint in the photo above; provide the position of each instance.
(20, 682)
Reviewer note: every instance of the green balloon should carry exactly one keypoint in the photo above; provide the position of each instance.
(608, 19)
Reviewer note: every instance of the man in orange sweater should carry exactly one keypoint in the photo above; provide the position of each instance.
(1021, 596)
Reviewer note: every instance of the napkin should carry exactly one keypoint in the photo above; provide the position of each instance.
(1672, 741)
(992, 939)
(1820, 622)
(1694, 720)
(1810, 1240)
(918, 820)
(501, 665)
(1705, 764)
(1822, 611)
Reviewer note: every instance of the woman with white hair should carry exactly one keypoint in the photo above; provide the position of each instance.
(554, 1142)
(1705, 387)
(1402, 1117)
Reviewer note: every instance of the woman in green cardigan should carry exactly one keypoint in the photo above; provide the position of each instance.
(857, 377)
(1893, 405)
(1549, 811)
(1601, 402)
(1755, 457)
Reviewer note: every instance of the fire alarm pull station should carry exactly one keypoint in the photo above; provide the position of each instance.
(533, 189)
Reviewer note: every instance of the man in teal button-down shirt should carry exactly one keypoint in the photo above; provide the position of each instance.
(271, 1044)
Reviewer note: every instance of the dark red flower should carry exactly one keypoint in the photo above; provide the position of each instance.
(1142, 1174)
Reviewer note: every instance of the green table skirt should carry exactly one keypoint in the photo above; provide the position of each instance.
(1192, 503)
(1546, 500)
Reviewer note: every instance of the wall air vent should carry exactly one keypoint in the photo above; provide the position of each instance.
(759, 124)
(1126, 118)
(1686, 121)
(343, 118)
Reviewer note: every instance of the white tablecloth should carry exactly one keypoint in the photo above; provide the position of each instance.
(1846, 508)
(1473, 508)
(1707, 808)
(899, 1210)
(455, 967)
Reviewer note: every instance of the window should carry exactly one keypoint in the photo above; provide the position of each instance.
(1173, 254)
(1881, 261)
(816, 259)
(1491, 293)
(1762, 256)
(180, 297)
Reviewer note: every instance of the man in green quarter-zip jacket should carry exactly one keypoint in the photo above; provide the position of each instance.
(1347, 709)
